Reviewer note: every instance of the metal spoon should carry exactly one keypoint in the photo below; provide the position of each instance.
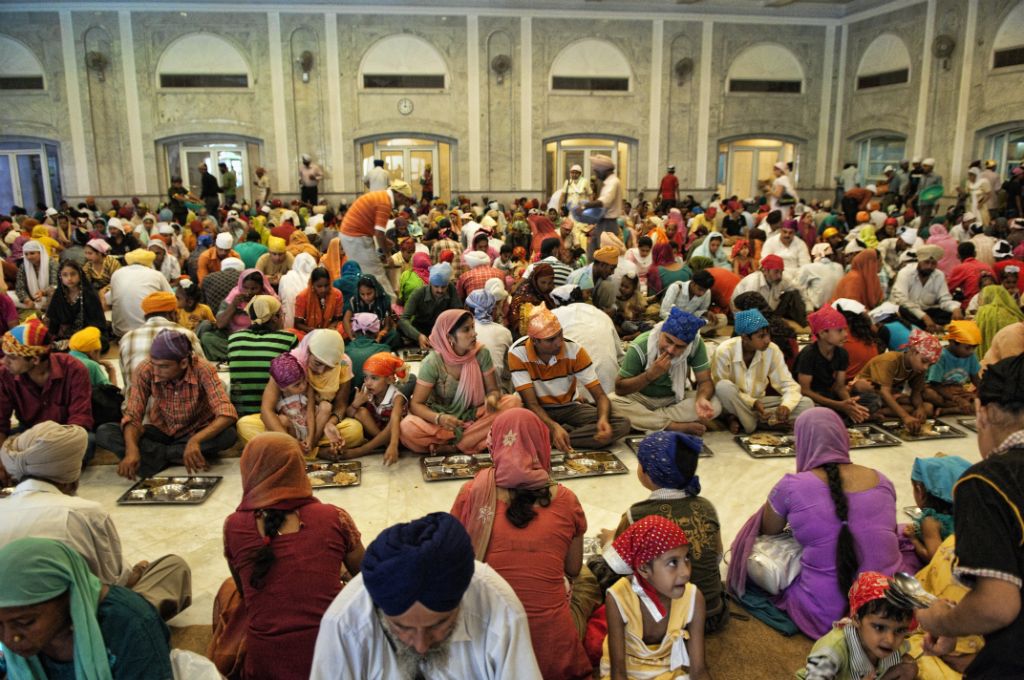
(912, 587)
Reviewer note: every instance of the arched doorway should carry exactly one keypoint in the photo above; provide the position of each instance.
(745, 163)
(29, 174)
(407, 157)
(562, 153)
(182, 156)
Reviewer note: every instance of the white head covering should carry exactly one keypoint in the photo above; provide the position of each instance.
(848, 305)
(821, 250)
(883, 310)
(563, 293)
(929, 162)
(475, 258)
(872, 188)
(225, 241)
(231, 263)
(48, 451)
(909, 236)
(37, 280)
(496, 287)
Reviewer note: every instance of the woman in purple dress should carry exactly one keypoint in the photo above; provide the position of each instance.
(843, 515)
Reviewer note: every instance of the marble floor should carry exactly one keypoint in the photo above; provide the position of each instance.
(734, 482)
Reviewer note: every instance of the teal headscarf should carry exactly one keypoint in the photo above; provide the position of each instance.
(939, 474)
(36, 570)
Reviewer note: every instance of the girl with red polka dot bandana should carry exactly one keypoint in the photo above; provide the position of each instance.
(653, 601)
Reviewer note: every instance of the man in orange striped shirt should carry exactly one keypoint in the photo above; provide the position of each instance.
(363, 231)
(546, 371)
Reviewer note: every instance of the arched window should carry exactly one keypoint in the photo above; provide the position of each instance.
(1008, 48)
(766, 69)
(202, 60)
(19, 67)
(885, 62)
(591, 65)
(403, 62)
(878, 151)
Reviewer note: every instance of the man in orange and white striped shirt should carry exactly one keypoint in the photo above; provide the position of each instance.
(363, 231)
(546, 371)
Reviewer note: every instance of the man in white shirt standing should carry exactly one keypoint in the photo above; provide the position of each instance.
(46, 461)
(378, 178)
(423, 607)
(310, 175)
(610, 199)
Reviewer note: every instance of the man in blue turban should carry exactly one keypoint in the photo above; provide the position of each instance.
(422, 607)
(743, 368)
(652, 388)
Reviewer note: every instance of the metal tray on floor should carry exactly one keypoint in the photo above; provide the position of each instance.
(585, 464)
(767, 445)
(6, 491)
(969, 423)
(871, 437)
(335, 475)
(455, 466)
(183, 490)
(939, 430)
(412, 355)
(633, 442)
(913, 512)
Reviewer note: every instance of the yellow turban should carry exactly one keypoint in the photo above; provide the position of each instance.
(85, 340)
(543, 323)
(830, 232)
(262, 308)
(277, 244)
(966, 332)
(401, 187)
(140, 256)
(607, 255)
(161, 302)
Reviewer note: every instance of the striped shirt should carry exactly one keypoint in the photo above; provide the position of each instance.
(562, 270)
(249, 355)
(556, 381)
(369, 213)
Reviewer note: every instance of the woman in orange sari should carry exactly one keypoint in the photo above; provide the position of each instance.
(334, 259)
(861, 283)
(319, 306)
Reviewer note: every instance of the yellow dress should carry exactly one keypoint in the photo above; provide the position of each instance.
(937, 578)
(643, 661)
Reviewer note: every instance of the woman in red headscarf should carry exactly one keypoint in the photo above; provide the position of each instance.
(530, 530)
(286, 551)
(456, 397)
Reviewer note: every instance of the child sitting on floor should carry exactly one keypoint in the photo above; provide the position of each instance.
(655, 615)
(954, 377)
(888, 374)
(742, 262)
(379, 406)
(871, 643)
(191, 312)
(933, 480)
(294, 407)
(668, 469)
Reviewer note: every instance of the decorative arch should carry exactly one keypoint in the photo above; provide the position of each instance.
(206, 59)
(591, 57)
(403, 60)
(886, 61)
(19, 66)
(767, 60)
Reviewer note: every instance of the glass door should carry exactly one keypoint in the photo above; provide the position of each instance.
(407, 159)
(24, 180)
(232, 155)
(748, 163)
(562, 154)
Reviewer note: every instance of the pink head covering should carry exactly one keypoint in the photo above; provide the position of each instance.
(825, 319)
(471, 380)
(286, 370)
(240, 319)
(520, 446)
(421, 266)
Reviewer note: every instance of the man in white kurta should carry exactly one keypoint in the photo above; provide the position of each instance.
(414, 574)
(129, 285)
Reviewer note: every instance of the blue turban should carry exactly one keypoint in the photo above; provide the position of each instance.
(749, 321)
(428, 560)
(206, 240)
(939, 474)
(657, 456)
(440, 274)
(682, 325)
(482, 303)
(166, 215)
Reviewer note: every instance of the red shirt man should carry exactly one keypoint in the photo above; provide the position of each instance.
(670, 185)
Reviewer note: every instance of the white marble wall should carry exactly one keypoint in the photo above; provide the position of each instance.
(111, 147)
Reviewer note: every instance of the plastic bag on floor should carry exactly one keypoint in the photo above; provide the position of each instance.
(190, 666)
